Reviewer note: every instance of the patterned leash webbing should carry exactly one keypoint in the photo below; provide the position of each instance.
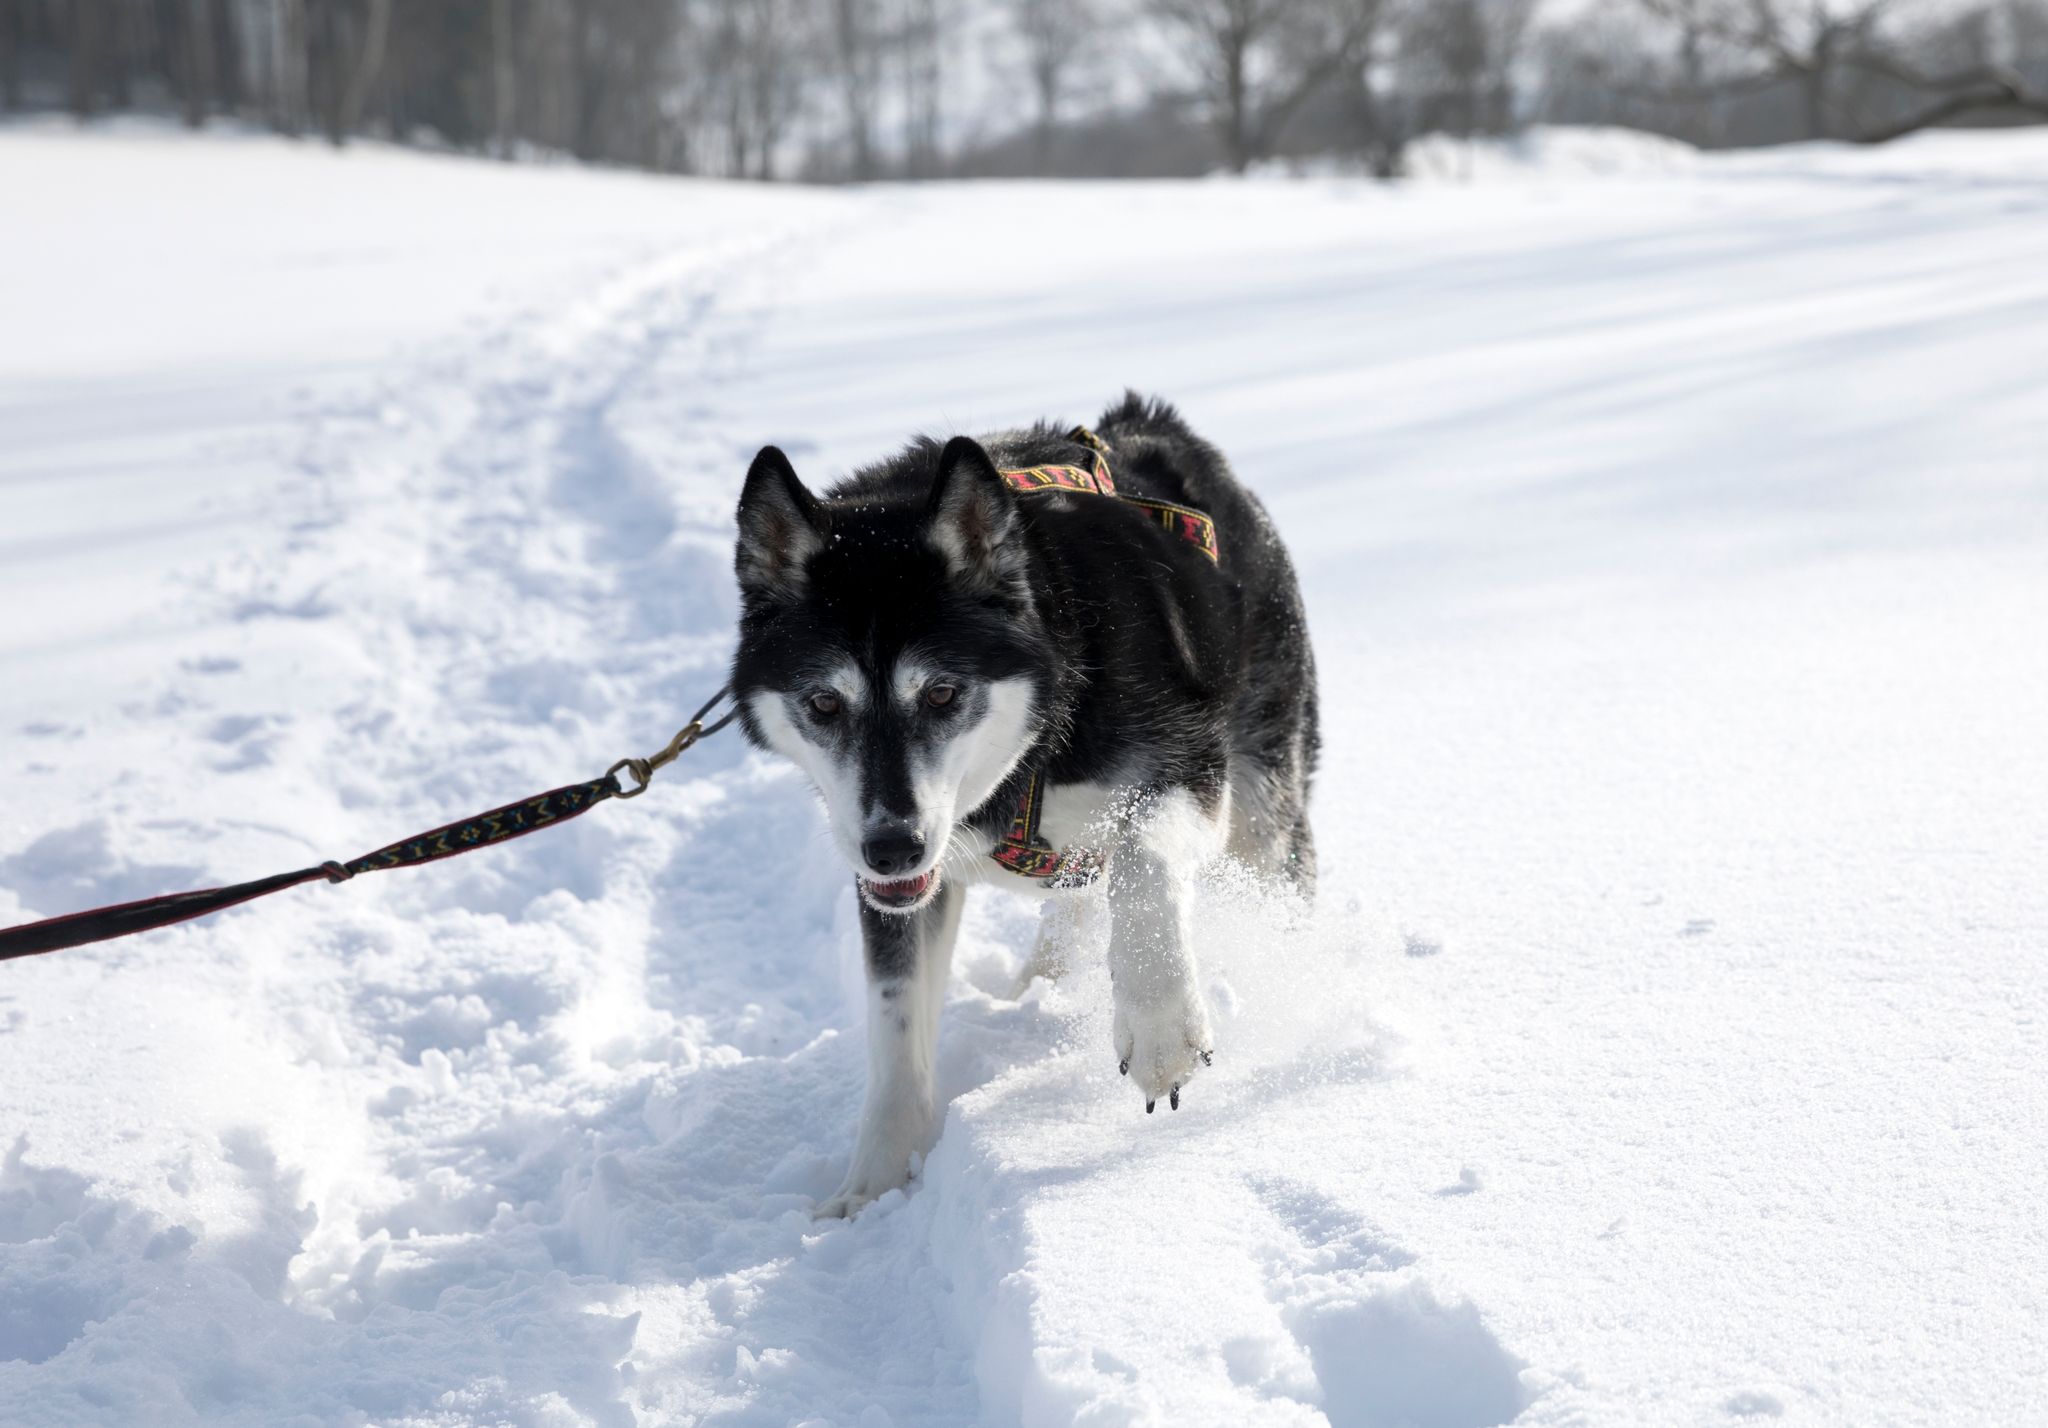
(499, 825)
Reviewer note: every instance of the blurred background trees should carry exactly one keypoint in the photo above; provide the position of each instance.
(906, 89)
(1731, 72)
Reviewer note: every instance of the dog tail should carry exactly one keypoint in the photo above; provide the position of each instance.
(1139, 415)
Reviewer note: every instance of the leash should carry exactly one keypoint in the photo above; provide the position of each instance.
(499, 825)
(1021, 848)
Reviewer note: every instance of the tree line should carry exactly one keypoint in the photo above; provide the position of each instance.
(865, 89)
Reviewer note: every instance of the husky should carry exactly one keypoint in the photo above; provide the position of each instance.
(1044, 659)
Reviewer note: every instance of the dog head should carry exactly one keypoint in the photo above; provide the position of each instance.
(890, 646)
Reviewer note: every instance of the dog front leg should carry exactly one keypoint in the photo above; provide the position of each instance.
(1161, 1028)
(908, 959)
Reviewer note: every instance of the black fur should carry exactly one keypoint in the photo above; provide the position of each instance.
(1157, 668)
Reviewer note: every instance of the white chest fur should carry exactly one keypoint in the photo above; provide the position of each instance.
(1071, 816)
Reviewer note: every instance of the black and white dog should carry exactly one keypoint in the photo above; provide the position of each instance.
(1037, 659)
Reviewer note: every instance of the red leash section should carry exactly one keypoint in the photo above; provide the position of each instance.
(499, 825)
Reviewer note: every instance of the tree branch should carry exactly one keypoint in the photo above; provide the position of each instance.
(1967, 102)
(1731, 88)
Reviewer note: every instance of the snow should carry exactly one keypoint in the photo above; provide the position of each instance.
(1666, 1045)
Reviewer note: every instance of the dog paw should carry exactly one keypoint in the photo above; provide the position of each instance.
(854, 1196)
(843, 1206)
(885, 1157)
(1161, 1046)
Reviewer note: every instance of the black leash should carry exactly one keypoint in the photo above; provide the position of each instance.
(499, 825)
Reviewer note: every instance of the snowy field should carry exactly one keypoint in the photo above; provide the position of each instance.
(1668, 1045)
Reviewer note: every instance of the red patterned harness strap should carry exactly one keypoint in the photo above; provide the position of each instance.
(1193, 526)
(1022, 848)
(1025, 852)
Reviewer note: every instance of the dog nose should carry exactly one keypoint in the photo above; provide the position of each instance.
(893, 851)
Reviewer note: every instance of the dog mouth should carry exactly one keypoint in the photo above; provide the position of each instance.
(902, 894)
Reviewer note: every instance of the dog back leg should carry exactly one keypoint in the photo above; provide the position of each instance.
(1068, 926)
(1301, 857)
(908, 960)
(1269, 828)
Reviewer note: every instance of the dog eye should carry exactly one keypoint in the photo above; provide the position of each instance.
(824, 704)
(940, 695)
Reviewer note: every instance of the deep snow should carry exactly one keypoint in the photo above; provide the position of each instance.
(1667, 1045)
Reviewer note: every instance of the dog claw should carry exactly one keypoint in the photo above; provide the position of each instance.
(1148, 1107)
(1173, 1098)
(1205, 1058)
(1123, 1067)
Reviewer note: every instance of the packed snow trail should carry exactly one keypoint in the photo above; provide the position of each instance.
(1665, 1046)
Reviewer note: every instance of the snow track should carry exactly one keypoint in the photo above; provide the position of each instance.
(1665, 1046)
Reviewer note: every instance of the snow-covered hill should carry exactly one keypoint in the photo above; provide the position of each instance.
(1667, 1046)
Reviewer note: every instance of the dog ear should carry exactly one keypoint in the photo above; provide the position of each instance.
(973, 515)
(782, 526)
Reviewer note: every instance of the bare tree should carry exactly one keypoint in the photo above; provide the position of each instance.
(1756, 42)
(777, 46)
(288, 65)
(504, 78)
(858, 46)
(1381, 122)
(755, 55)
(1464, 51)
(1260, 60)
(195, 57)
(2027, 28)
(226, 29)
(1053, 32)
(1963, 65)
(919, 45)
(547, 96)
(342, 51)
(1830, 52)
(583, 76)
(369, 60)
(86, 42)
(127, 32)
(12, 23)
(863, 87)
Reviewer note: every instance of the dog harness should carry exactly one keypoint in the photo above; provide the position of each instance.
(1023, 849)
(1189, 524)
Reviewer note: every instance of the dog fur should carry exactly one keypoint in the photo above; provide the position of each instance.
(922, 638)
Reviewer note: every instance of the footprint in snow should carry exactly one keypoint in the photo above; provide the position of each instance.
(1366, 1338)
(1325, 1236)
(1753, 1403)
